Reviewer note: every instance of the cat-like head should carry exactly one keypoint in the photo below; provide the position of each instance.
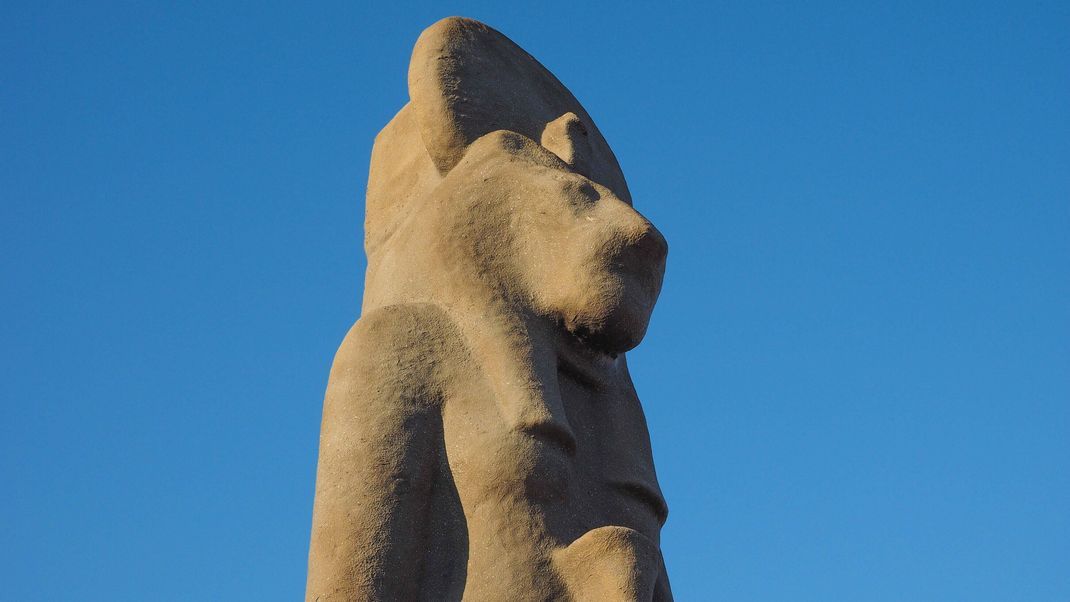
(496, 170)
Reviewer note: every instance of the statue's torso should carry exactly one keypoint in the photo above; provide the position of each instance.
(526, 498)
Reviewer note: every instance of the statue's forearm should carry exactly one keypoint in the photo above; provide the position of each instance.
(367, 530)
(372, 493)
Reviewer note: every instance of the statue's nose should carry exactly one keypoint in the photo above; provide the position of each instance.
(642, 234)
(651, 243)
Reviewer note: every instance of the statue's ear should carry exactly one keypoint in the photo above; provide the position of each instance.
(467, 80)
(567, 138)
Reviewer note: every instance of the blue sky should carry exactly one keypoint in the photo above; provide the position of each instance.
(857, 378)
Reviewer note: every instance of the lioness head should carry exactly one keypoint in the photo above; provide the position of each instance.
(494, 176)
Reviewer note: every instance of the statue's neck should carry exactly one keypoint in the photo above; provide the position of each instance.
(518, 351)
(522, 354)
(517, 355)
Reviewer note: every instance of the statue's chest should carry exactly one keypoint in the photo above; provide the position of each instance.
(507, 450)
(587, 464)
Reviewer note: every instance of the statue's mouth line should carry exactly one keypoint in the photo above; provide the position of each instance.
(644, 493)
(554, 434)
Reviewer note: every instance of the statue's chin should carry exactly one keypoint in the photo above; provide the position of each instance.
(612, 319)
(621, 330)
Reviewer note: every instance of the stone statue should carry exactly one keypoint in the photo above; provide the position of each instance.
(481, 437)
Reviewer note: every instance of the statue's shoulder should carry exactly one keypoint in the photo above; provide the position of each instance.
(403, 348)
(406, 327)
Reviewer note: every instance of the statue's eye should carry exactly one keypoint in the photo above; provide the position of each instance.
(589, 191)
(579, 194)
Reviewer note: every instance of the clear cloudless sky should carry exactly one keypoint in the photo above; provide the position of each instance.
(857, 378)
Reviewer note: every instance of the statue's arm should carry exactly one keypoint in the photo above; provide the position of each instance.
(376, 468)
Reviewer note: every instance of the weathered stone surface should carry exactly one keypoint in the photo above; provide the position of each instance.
(481, 436)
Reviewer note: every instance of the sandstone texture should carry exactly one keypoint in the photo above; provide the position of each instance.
(481, 437)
